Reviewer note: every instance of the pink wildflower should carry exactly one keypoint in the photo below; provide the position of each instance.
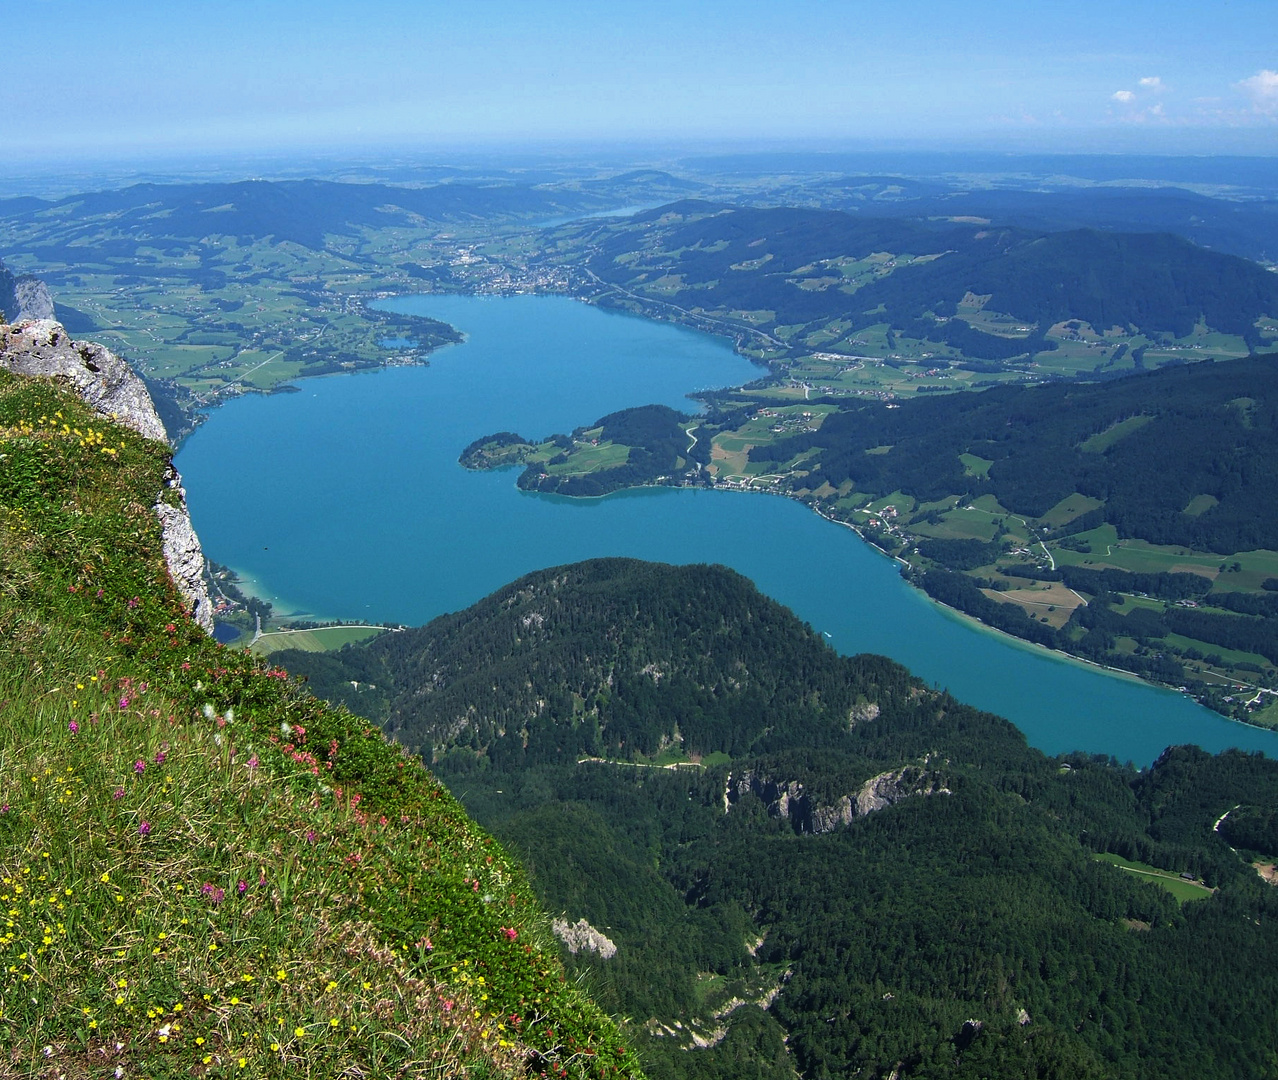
(118, 793)
(144, 829)
(73, 727)
(510, 932)
(139, 766)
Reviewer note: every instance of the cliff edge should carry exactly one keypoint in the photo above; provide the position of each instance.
(104, 381)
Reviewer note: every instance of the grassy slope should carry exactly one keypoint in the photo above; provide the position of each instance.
(204, 869)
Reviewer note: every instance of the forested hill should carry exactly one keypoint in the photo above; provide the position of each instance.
(1145, 446)
(793, 272)
(624, 658)
(873, 880)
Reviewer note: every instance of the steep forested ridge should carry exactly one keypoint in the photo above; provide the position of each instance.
(879, 881)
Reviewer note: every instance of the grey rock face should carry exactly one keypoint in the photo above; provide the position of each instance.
(788, 799)
(184, 555)
(108, 384)
(582, 937)
(33, 299)
(100, 377)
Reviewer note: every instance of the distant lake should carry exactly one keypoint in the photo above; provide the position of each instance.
(346, 500)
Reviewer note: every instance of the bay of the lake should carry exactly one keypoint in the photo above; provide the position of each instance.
(346, 501)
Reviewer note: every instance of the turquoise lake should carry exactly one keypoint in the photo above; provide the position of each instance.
(345, 500)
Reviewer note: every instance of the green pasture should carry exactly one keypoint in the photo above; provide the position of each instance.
(1068, 509)
(320, 639)
(586, 459)
(976, 466)
(1181, 889)
(1103, 440)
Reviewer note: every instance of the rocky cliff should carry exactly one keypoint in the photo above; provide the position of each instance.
(42, 348)
(789, 800)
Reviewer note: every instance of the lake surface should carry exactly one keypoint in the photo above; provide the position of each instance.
(346, 500)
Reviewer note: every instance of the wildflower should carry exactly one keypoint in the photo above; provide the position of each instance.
(299, 1032)
(208, 711)
(144, 829)
(510, 932)
(252, 762)
(139, 766)
(242, 887)
(73, 727)
(159, 758)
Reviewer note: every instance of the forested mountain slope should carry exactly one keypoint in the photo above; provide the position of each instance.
(821, 279)
(841, 872)
(1144, 446)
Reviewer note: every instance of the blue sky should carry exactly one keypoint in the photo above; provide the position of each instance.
(92, 79)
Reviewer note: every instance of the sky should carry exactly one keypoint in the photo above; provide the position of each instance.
(87, 79)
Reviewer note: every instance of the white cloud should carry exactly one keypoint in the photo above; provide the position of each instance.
(1125, 96)
(1154, 83)
(1262, 88)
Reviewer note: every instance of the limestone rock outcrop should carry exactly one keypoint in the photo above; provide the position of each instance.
(32, 298)
(582, 937)
(101, 378)
(788, 799)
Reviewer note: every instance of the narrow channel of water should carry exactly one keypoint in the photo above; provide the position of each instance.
(346, 500)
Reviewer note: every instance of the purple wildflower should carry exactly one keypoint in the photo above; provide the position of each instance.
(118, 793)
(144, 829)
(242, 887)
(73, 727)
(252, 762)
(139, 766)
(159, 758)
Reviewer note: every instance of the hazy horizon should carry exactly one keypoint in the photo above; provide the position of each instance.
(140, 82)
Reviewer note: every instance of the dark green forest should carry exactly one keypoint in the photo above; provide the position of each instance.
(844, 872)
(1207, 429)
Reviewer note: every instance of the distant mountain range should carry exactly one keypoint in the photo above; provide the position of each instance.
(306, 211)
